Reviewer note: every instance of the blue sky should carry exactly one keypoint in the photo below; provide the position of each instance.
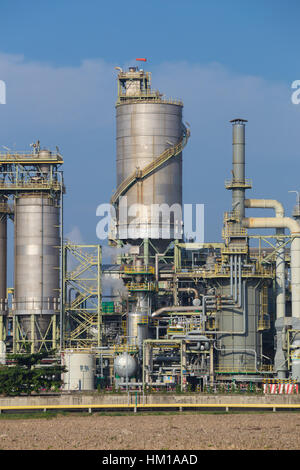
(224, 58)
(247, 36)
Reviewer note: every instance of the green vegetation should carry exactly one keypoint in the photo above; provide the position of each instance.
(26, 374)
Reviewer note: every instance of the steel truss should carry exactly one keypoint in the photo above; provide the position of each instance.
(82, 297)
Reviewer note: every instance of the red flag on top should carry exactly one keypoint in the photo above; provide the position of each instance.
(143, 60)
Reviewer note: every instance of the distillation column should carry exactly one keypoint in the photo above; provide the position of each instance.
(37, 240)
(150, 137)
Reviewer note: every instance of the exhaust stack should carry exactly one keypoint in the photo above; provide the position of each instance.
(238, 184)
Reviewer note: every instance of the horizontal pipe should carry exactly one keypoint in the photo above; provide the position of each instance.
(176, 308)
(225, 405)
(266, 204)
(272, 222)
(189, 290)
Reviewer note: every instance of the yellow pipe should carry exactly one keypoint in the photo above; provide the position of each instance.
(154, 405)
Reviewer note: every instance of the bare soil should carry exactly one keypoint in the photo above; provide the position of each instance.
(259, 431)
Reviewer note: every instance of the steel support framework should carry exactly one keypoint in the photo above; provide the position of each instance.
(82, 296)
(151, 344)
(35, 340)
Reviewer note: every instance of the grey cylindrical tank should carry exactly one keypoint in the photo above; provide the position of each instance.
(44, 154)
(241, 349)
(37, 242)
(3, 259)
(144, 131)
(137, 321)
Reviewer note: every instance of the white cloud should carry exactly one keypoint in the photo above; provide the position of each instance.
(78, 102)
(40, 94)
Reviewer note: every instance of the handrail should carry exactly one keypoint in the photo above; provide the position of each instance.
(157, 163)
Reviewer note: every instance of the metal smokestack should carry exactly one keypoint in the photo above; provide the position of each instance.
(238, 167)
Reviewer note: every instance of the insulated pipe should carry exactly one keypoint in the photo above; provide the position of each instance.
(235, 278)
(280, 257)
(235, 291)
(189, 290)
(266, 204)
(176, 309)
(229, 332)
(240, 281)
(294, 228)
(231, 276)
(223, 350)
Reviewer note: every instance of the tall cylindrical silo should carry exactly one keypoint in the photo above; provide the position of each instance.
(146, 126)
(37, 241)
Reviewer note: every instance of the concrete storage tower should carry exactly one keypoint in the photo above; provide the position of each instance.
(150, 136)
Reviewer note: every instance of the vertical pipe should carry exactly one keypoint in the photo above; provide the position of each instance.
(3, 275)
(3, 257)
(211, 364)
(240, 281)
(294, 227)
(231, 276)
(99, 329)
(280, 257)
(295, 276)
(146, 251)
(280, 360)
(62, 265)
(280, 276)
(235, 278)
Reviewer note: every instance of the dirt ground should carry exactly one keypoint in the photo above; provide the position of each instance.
(153, 432)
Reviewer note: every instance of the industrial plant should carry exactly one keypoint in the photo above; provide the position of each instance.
(167, 312)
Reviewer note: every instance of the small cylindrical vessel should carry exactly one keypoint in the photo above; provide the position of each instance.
(80, 373)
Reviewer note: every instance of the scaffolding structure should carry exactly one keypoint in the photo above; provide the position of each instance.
(82, 296)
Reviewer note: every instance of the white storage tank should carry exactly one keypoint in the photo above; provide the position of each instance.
(125, 365)
(81, 368)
